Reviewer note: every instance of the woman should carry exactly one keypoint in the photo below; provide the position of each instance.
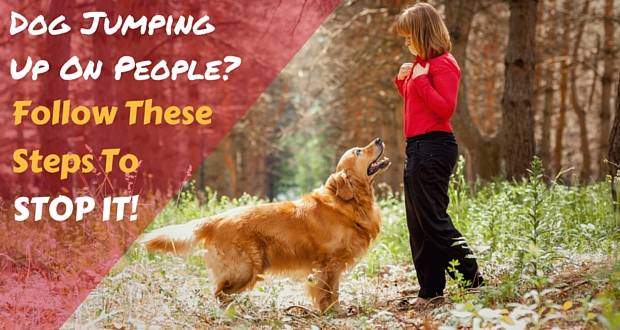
(429, 87)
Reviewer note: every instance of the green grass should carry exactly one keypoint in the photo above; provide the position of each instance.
(528, 236)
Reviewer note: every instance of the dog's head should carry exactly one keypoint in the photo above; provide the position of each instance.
(357, 169)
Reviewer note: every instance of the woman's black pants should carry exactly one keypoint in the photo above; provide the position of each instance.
(431, 158)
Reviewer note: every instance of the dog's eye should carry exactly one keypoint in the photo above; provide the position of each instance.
(358, 152)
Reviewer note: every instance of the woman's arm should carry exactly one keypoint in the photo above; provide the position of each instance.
(441, 95)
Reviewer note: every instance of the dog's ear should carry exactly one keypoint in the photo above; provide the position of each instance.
(340, 184)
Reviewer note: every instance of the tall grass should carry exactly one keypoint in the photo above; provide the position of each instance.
(518, 230)
(523, 233)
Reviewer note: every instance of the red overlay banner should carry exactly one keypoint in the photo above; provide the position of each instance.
(108, 109)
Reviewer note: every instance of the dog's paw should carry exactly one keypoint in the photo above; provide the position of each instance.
(223, 299)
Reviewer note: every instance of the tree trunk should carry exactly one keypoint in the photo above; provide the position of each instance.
(230, 161)
(614, 148)
(579, 109)
(561, 123)
(518, 119)
(549, 92)
(105, 86)
(51, 138)
(489, 122)
(606, 82)
(538, 82)
(483, 151)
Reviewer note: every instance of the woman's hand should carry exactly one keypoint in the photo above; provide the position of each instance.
(418, 70)
(404, 70)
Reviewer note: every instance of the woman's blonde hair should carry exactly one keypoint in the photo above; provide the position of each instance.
(428, 32)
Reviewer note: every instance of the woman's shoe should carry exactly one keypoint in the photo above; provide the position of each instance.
(422, 304)
(419, 304)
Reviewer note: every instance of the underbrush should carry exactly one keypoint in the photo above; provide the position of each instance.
(534, 239)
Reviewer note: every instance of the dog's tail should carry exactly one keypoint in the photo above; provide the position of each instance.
(178, 239)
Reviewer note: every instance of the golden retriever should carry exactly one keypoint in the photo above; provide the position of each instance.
(318, 236)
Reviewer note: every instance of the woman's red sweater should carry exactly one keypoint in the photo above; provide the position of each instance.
(430, 99)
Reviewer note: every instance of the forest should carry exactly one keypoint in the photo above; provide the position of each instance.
(534, 192)
(338, 92)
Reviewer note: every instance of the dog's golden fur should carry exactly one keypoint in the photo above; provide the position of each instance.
(318, 236)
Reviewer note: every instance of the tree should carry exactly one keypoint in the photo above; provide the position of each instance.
(52, 139)
(518, 118)
(614, 148)
(577, 106)
(483, 150)
(549, 92)
(561, 121)
(606, 81)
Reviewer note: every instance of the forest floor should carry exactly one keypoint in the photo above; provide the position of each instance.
(548, 253)
(167, 292)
